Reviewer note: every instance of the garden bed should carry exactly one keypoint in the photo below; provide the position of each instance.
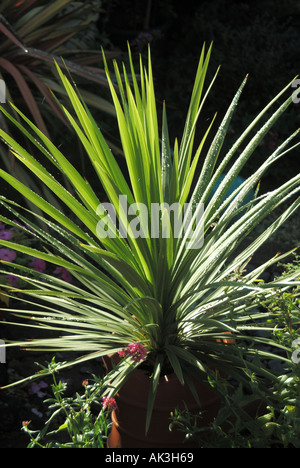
(24, 402)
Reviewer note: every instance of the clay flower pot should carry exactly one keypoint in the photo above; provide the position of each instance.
(129, 419)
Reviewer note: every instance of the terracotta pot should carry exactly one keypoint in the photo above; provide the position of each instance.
(128, 429)
(226, 340)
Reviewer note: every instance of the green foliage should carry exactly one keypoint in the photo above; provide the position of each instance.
(175, 300)
(275, 421)
(74, 421)
(35, 33)
(16, 234)
(285, 309)
(32, 35)
(234, 425)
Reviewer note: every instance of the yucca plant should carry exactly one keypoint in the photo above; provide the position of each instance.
(143, 277)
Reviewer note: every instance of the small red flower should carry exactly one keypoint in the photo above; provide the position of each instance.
(122, 353)
(25, 423)
(109, 402)
(85, 382)
(136, 351)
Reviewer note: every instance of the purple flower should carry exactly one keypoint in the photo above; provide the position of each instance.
(7, 255)
(5, 235)
(36, 412)
(38, 265)
(13, 280)
(137, 351)
(35, 388)
(2, 226)
(66, 276)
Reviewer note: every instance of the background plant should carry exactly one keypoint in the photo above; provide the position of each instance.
(32, 35)
(249, 37)
(233, 427)
(275, 422)
(177, 303)
(15, 234)
(82, 421)
(282, 421)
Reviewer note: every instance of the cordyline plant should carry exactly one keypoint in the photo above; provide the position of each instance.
(148, 283)
(34, 33)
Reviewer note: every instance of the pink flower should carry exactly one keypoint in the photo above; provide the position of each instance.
(136, 351)
(7, 255)
(109, 402)
(38, 264)
(5, 235)
(122, 353)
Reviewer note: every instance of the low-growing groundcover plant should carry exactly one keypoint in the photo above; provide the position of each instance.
(159, 277)
(75, 422)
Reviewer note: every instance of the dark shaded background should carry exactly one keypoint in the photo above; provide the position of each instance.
(256, 38)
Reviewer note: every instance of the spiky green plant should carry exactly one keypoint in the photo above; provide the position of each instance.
(33, 34)
(175, 301)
